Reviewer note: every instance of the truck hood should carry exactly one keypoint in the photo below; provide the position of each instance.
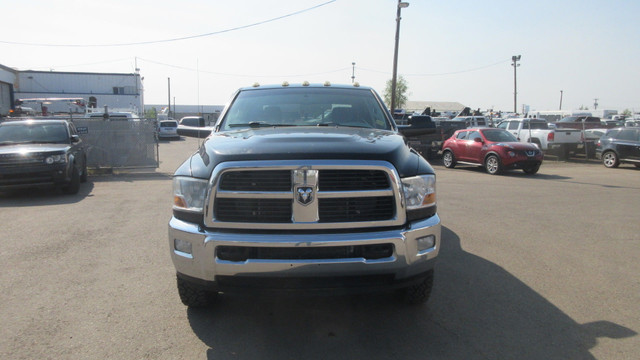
(305, 143)
(32, 148)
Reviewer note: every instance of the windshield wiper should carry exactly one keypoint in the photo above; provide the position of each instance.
(343, 125)
(258, 124)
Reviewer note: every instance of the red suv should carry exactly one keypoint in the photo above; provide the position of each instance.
(494, 149)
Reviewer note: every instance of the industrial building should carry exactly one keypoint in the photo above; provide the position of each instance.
(62, 92)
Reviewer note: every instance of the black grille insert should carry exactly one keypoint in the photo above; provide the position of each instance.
(244, 253)
(345, 180)
(256, 180)
(356, 209)
(253, 210)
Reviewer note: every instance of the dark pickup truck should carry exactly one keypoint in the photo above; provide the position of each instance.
(429, 143)
(305, 188)
(581, 123)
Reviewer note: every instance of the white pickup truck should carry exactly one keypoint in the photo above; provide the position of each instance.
(559, 142)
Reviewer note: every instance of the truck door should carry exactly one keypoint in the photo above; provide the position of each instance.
(513, 128)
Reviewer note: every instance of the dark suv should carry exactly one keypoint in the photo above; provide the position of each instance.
(620, 145)
(39, 153)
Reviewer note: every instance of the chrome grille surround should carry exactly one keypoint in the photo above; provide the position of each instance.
(305, 194)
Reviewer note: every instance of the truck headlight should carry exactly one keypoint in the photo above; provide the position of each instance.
(420, 196)
(189, 193)
(56, 159)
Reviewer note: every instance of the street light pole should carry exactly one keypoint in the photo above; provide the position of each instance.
(353, 72)
(394, 79)
(515, 59)
(560, 100)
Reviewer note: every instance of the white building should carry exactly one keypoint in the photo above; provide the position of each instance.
(7, 78)
(117, 91)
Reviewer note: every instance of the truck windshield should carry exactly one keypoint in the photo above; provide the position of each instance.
(305, 106)
(499, 135)
(21, 133)
(535, 125)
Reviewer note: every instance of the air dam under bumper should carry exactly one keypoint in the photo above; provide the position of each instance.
(382, 259)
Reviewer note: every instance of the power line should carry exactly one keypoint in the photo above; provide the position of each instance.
(242, 75)
(174, 39)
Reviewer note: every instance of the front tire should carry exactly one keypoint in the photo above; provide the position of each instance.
(448, 159)
(418, 293)
(493, 165)
(74, 185)
(194, 296)
(610, 159)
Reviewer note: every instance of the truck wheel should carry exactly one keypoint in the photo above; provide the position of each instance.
(418, 293)
(194, 296)
(448, 160)
(492, 165)
(531, 169)
(610, 159)
(74, 185)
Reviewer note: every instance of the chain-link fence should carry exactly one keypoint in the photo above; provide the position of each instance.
(119, 144)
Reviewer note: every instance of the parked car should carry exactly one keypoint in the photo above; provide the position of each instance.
(494, 149)
(620, 145)
(632, 123)
(194, 126)
(168, 129)
(39, 153)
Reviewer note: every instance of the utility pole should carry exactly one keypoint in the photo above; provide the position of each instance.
(595, 104)
(560, 100)
(394, 79)
(515, 59)
(169, 96)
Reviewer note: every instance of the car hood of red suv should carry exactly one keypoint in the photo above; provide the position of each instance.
(515, 145)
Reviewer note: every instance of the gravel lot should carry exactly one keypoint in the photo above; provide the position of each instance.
(531, 267)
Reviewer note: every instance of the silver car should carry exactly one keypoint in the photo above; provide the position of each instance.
(168, 129)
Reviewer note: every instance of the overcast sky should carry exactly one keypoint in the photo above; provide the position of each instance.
(454, 50)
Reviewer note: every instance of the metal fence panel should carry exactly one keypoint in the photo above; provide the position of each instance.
(119, 144)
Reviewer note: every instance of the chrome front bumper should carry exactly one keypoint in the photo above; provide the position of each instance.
(201, 264)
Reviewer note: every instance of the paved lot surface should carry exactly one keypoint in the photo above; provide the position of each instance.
(542, 267)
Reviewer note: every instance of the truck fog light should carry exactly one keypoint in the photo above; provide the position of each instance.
(427, 242)
(182, 246)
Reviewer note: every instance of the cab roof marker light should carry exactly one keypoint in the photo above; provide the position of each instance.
(356, 84)
(255, 84)
(285, 83)
(306, 83)
(327, 83)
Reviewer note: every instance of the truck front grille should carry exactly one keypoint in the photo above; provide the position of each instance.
(322, 196)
